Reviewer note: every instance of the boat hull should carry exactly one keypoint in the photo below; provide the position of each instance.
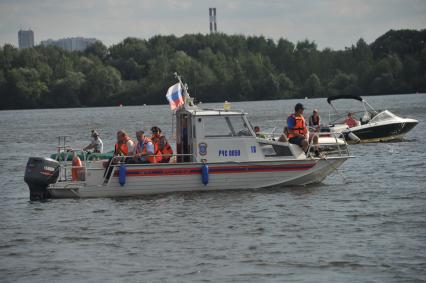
(146, 180)
(384, 132)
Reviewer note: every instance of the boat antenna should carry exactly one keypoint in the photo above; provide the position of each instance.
(187, 98)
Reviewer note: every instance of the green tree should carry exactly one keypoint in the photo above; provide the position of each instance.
(65, 92)
(101, 85)
(24, 88)
(97, 49)
(217, 67)
(343, 84)
(312, 87)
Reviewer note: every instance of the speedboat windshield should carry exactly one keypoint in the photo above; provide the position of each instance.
(383, 116)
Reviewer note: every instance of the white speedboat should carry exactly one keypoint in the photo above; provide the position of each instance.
(216, 149)
(328, 141)
(372, 125)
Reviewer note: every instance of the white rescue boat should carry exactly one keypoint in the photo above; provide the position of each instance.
(216, 149)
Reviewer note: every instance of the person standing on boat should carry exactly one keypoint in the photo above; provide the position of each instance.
(97, 145)
(144, 150)
(298, 131)
(163, 150)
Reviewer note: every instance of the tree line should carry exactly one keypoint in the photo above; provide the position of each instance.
(217, 67)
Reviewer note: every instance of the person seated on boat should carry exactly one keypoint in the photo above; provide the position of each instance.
(258, 133)
(283, 137)
(351, 122)
(162, 148)
(124, 145)
(315, 120)
(97, 145)
(297, 130)
(144, 150)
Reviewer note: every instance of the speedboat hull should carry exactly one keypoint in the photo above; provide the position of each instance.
(373, 126)
(384, 132)
(157, 179)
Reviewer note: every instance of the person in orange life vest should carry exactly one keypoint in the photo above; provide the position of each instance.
(124, 145)
(144, 150)
(297, 130)
(351, 122)
(161, 145)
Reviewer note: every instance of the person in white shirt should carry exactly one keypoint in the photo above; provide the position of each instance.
(97, 145)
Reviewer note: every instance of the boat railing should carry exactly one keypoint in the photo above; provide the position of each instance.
(116, 161)
(124, 158)
(66, 166)
(337, 146)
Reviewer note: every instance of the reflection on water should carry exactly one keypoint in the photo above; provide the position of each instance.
(365, 223)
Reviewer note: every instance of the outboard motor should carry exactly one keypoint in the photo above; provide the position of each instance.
(39, 174)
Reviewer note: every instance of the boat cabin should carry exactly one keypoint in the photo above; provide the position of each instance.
(218, 135)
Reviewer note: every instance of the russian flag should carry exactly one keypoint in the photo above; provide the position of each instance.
(174, 96)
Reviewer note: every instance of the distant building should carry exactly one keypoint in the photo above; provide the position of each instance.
(212, 18)
(26, 38)
(71, 43)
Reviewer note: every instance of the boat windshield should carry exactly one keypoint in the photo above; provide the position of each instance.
(383, 116)
(226, 126)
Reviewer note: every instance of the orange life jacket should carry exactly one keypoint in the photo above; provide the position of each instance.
(122, 148)
(151, 158)
(162, 147)
(299, 126)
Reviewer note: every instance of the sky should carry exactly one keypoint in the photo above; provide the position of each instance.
(334, 24)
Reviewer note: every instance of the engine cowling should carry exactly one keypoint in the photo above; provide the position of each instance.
(39, 174)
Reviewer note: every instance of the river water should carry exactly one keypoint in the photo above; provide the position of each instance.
(364, 223)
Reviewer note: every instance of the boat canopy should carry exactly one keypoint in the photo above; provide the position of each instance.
(331, 98)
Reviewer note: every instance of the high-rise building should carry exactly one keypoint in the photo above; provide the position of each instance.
(71, 43)
(26, 38)
(212, 18)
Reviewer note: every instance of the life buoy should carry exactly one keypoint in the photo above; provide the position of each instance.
(76, 168)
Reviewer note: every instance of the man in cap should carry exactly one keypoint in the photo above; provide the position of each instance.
(297, 130)
(96, 144)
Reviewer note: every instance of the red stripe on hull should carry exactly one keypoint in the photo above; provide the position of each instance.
(217, 170)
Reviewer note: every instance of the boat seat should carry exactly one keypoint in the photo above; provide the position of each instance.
(282, 150)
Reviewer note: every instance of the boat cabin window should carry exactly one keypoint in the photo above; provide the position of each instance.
(226, 126)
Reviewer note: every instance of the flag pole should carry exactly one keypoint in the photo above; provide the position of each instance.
(188, 99)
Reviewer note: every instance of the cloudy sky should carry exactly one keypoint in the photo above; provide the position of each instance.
(330, 23)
